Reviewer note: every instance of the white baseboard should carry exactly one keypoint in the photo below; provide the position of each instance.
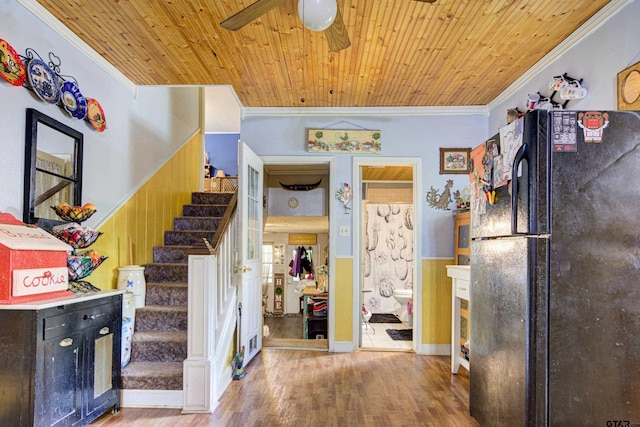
(434, 349)
(343, 347)
(152, 399)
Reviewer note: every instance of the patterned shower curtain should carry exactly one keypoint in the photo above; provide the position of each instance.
(388, 254)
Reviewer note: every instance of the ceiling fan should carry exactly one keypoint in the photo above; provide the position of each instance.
(317, 15)
(336, 32)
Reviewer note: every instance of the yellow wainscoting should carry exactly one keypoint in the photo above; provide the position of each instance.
(343, 300)
(436, 301)
(147, 214)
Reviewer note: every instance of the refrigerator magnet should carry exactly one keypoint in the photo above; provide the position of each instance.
(593, 124)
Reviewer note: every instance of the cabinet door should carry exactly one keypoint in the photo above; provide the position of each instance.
(462, 239)
(59, 401)
(103, 371)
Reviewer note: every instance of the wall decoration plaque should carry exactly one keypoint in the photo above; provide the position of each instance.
(346, 141)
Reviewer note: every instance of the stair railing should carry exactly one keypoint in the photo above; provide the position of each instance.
(211, 316)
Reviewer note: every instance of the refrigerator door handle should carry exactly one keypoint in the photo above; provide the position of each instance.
(522, 154)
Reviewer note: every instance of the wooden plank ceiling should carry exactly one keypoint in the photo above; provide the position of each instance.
(402, 53)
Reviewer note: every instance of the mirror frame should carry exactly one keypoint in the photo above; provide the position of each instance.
(35, 118)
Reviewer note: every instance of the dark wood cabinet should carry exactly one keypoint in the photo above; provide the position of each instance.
(60, 365)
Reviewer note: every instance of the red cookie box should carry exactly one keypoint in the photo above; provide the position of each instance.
(33, 263)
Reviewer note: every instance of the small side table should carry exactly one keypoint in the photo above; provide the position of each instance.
(310, 292)
(461, 282)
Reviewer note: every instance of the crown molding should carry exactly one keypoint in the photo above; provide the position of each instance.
(56, 25)
(586, 29)
(362, 111)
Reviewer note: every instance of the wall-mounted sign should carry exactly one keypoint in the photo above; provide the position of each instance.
(303, 239)
(278, 293)
(344, 141)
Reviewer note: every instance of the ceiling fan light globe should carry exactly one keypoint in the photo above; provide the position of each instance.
(317, 15)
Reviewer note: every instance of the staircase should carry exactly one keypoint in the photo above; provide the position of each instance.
(159, 344)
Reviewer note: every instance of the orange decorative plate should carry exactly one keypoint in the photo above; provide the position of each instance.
(11, 66)
(95, 115)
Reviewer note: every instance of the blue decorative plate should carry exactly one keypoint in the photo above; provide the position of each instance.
(73, 100)
(43, 81)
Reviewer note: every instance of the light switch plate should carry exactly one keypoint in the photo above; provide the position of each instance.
(344, 230)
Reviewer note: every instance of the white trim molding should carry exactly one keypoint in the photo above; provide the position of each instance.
(363, 111)
(434, 349)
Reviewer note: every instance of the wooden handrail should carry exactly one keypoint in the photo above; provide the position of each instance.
(212, 248)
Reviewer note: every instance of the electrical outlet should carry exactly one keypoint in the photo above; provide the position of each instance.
(344, 230)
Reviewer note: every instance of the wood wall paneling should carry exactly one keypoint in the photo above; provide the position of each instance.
(147, 214)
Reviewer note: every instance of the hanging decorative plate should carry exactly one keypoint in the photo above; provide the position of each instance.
(11, 66)
(73, 100)
(43, 80)
(95, 115)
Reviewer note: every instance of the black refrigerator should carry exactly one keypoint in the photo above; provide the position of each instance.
(555, 276)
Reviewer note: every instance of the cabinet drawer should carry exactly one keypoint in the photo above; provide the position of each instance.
(77, 320)
(462, 289)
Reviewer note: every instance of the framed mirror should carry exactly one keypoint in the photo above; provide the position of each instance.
(52, 169)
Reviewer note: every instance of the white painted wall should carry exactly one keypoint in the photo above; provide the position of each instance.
(142, 131)
(402, 136)
(222, 110)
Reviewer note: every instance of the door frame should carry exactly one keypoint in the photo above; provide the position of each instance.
(330, 160)
(416, 163)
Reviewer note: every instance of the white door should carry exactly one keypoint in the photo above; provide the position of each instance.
(250, 248)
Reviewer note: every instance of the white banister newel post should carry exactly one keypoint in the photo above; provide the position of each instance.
(199, 379)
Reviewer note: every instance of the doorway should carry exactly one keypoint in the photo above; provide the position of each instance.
(388, 244)
(295, 252)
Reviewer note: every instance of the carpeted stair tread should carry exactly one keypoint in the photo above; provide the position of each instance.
(163, 318)
(152, 376)
(175, 254)
(166, 272)
(167, 293)
(204, 210)
(160, 336)
(211, 198)
(162, 308)
(186, 237)
(207, 223)
(159, 346)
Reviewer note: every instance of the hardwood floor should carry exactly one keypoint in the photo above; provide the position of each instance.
(312, 388)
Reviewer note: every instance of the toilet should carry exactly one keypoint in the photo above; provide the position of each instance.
(403, 296)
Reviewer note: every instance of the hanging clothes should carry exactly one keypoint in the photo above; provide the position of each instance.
(305, 264)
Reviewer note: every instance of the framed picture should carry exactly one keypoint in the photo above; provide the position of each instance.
(454, 160)
(344, 141)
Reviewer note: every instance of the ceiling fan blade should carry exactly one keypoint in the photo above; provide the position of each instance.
(249, 13)
(337, 35)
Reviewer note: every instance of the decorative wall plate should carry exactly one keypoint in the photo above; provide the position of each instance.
(293, 203)
(11, 66)
(43, 80)
(95, 115)
(73, 100)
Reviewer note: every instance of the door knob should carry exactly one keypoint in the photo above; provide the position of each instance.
(242, 269)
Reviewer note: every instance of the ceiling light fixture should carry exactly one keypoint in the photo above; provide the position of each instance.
(317, 15)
